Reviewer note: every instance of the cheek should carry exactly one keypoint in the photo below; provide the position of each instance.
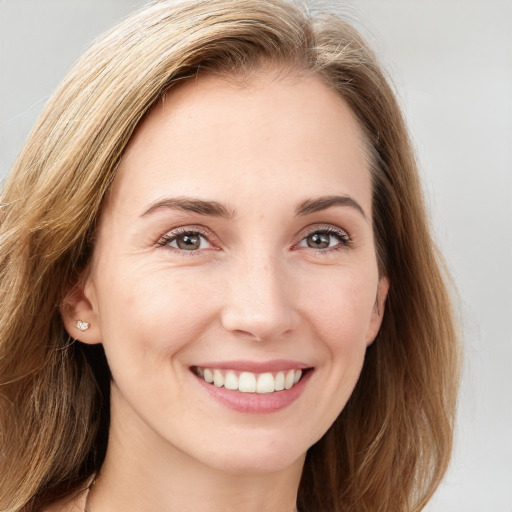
(341, 305)
(338, 310)
(154, 315)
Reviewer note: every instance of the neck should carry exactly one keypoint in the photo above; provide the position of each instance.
(142, 474)
(186, 487)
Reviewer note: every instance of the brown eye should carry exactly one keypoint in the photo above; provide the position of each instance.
(326, 239)
(188, 241)
(318, 240)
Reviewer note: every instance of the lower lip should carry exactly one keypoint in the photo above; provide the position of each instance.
(256, 403)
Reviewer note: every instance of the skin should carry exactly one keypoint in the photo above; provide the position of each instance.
(254, 290)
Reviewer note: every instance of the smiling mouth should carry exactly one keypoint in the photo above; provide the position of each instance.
(249, 382)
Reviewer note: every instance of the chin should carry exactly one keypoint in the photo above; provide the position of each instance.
(244, 465)
(253, 456)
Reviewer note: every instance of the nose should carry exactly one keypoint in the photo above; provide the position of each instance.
(259, 300)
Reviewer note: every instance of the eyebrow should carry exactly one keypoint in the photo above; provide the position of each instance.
(190, 204)
(216, 209)
(322, 203)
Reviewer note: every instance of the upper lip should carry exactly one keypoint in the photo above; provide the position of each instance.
(255, 366)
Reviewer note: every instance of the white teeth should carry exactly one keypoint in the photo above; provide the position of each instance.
(288, 380)
(231, 381)
(208, 375)
(248, 382)
(218, 378)
(280, 381)
(265, 384)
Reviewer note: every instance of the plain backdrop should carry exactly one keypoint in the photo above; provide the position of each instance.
(451, 64)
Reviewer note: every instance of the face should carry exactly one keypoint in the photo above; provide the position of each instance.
(236, 246)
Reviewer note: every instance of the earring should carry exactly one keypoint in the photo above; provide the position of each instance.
(83, 326)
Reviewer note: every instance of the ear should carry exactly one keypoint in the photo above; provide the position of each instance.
(79, 306)
(378, 310)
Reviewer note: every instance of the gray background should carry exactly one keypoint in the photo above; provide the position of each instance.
(451, 62)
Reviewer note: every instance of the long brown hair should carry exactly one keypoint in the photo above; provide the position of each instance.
(390, 446)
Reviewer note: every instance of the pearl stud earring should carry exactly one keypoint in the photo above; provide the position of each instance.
(83, 326)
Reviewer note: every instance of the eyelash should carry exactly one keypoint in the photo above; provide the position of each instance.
(342, 236)
(168, 238)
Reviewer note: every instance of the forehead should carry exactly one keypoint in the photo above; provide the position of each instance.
(215, 136)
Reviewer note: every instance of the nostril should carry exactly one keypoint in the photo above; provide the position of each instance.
(248, 334)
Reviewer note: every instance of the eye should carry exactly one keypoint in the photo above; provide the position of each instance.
(322, 239)
(185, 240)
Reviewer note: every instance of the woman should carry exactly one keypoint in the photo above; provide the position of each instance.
(218, 286)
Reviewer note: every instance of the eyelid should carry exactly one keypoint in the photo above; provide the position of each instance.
(172, 234)
(343, 234)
